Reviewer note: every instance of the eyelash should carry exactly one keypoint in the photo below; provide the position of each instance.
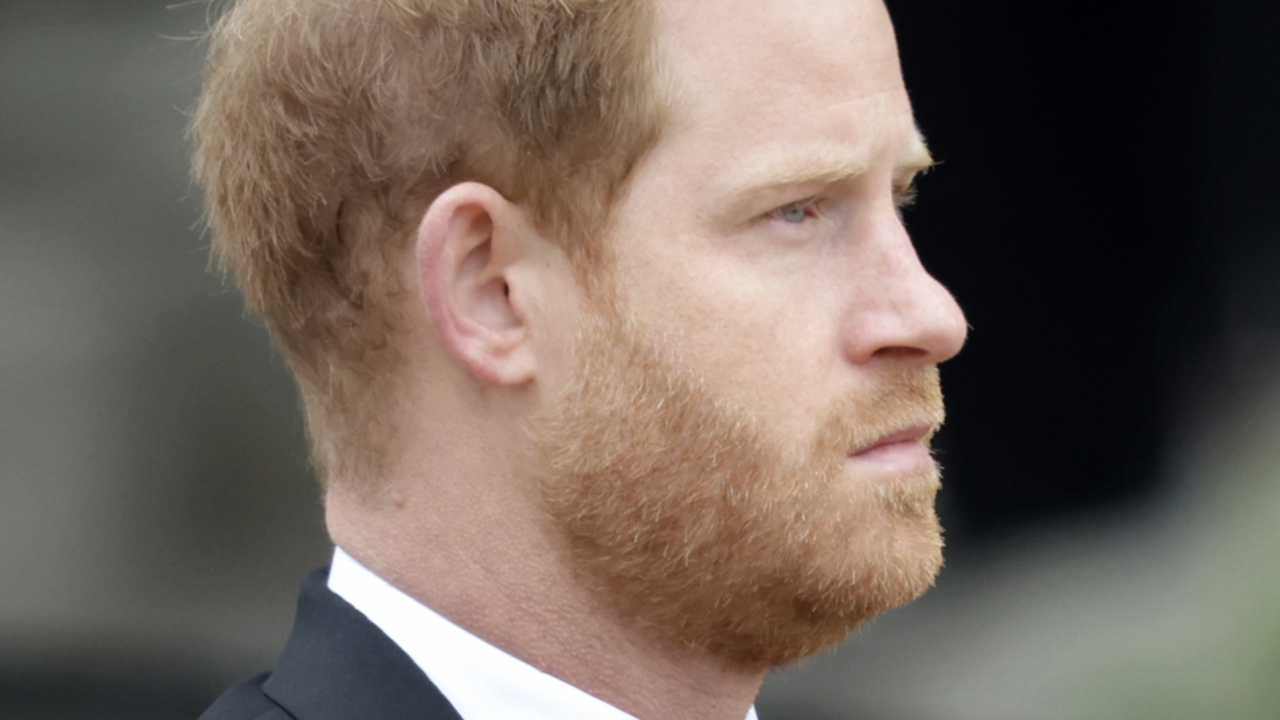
(902, 199)
(805, 206)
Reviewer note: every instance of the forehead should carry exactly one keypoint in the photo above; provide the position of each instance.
(757, 76)
(741, 41)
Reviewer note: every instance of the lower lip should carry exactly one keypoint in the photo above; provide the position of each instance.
(906, 452)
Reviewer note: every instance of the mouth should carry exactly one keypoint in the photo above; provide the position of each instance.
(909, 445)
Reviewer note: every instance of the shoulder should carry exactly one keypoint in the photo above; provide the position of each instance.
(246, 701)
(336, 665)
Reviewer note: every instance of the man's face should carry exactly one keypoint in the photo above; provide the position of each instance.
(740, 457)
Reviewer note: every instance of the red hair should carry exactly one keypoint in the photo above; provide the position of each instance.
(327, 127)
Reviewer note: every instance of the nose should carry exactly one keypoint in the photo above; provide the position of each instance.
(899, 311)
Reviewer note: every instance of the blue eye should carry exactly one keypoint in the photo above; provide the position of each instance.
(793, 213)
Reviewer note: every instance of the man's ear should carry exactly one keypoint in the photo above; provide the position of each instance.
(468, 241)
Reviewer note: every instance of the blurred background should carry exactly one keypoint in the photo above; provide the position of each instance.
(1105, 212)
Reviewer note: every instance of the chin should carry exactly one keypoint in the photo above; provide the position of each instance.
(700, 528)
(875, 551)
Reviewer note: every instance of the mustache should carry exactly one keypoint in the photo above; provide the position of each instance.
(901, 399)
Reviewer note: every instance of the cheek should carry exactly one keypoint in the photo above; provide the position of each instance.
(768, 342)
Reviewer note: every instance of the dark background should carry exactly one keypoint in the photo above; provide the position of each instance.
(1076, 220)
(1105, 213)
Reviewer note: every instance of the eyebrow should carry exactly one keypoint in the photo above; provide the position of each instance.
(824, 165)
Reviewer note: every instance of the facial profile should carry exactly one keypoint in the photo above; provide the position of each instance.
(707, 461)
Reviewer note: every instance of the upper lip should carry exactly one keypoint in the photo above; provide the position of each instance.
(914, 433)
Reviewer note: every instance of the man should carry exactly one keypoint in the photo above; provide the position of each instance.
(617, 361)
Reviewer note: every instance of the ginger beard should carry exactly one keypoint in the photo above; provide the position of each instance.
(705, 531)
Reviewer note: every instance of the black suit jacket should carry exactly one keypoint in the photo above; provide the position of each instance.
(336, 666)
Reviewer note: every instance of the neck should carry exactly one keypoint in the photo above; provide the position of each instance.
(502, 576)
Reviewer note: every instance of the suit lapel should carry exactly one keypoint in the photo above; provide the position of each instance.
(339, 666)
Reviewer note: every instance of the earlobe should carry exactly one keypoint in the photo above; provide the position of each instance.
(468, 241)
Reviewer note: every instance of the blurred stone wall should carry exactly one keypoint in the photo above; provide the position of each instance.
(156, 508)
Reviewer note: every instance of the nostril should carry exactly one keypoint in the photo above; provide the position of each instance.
(900, 352)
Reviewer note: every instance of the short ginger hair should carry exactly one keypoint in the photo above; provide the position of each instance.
(326, 127)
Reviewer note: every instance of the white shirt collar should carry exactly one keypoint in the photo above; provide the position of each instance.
(481, 681)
